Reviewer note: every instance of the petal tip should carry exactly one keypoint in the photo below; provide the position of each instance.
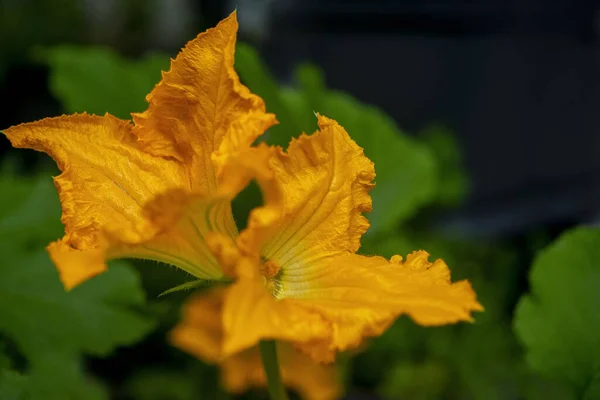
(75, 266)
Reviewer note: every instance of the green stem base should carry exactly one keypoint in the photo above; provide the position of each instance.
(268, 353)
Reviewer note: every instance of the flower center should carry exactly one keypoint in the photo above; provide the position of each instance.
(271, 270)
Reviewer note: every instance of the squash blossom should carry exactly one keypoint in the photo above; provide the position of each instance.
(160, 188)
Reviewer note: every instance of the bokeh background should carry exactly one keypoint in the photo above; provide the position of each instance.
(481, 118)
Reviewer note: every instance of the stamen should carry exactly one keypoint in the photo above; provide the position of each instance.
(269, 269)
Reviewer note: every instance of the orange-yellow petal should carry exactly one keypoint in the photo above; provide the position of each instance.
(183, 221)
(237, 168)
(252, 314)
(241, 135)
(200, 104)
(175, 232)
(76, 266)
(200, 331)
(362, 295)
(106, 178)
(314, 200)
(115, 199)
(200, 334)
(312, 380)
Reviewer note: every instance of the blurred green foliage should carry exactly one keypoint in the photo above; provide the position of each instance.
(98, 80)
(452, 184)
(45, 339)
(559, 322)
(66, 23)
(49, 330)
(478, 361)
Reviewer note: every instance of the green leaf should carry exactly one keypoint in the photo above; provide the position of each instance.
(30, 212)
(452, 183)
(257, 77)
(38, 314)
(98, 80)
(51, 328)
(60, 376)
(559, 322)
(54, 328)
(12, 385)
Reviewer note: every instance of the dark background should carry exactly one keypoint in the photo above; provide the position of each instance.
(517, 81)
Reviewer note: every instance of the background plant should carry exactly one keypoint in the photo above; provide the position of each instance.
(105, 340)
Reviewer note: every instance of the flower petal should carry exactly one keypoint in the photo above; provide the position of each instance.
(105, 184)
(313, 199)
(183, 221)
(362, 295)
(106, 177)
(200, 331)
(200, 104)
(76, 266)
(237, 168)
(252, 314)
(200, 334)
(175, 233)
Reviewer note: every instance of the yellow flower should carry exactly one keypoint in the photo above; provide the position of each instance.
(112, 169)
(200, 333)
(297, 278)
(161, 189)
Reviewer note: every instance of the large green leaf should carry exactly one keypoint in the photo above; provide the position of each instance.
(98, 80)
(53, 329)
(559, 322)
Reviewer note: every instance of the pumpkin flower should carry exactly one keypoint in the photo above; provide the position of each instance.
(161, 189)
(112, 169)
(200, 333)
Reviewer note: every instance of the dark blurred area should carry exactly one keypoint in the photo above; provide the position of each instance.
(516, 81)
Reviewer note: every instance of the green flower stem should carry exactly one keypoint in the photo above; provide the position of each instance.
(268, 353)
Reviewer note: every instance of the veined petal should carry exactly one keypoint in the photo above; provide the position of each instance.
(200, 334)
(106, 178)
(200, 104)
(183, 221)
(362, 295)
(174, 234)
(105, 186)
(313, 200)
(252, 314)
(200, 331)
